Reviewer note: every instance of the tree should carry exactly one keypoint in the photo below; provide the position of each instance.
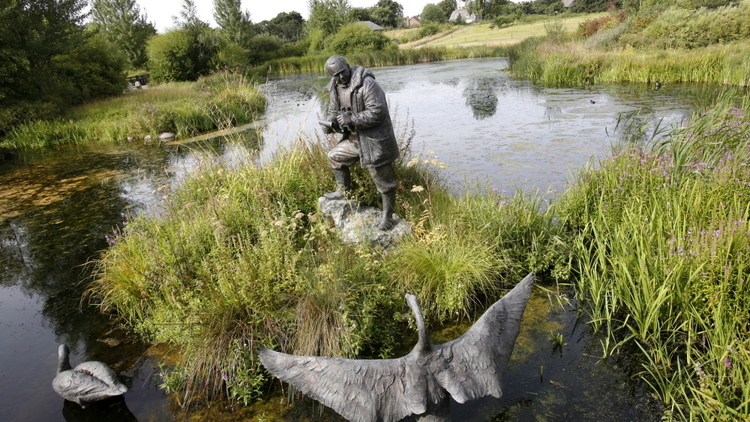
(327, 16)
(125, 26)
(186, 52)
(358, 14)
(235, 24)
(188, 15)
(448, 7)
(42, 44)
(387, 13)
(433, 13)
(287, 26)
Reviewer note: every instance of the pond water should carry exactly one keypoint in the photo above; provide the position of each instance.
(57, 208)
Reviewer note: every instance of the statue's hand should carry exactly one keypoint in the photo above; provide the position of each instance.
(345, 120)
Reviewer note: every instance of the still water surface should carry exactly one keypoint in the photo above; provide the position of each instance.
(56, 209)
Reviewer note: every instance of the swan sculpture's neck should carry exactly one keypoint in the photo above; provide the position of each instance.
(63, 362)
(423, 344)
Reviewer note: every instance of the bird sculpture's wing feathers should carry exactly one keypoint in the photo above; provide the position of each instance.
(103, 373)
(81, 387)
(473, 364)
(359, 390)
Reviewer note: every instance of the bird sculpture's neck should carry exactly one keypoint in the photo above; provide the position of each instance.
(63, 363)
(423, 344)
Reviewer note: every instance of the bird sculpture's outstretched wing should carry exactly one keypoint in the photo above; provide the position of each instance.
(471, 366)
(360, 390)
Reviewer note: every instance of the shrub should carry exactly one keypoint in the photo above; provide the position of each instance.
(428, 29)
(357, 37)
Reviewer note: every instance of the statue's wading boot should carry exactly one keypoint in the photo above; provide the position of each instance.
(343, 181)
(389, 201)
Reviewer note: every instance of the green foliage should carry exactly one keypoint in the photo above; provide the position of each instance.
(233, 22)
(287, 26)
(262, 48)
(124, 26)
(428, 29)
(387, 13)
(662, 257)
(357, 37)
(94, 70)
(588, 6)
(216, 102)
(183, 54)
(356, 14)
(38, 36)
(327, 16)
(679, 28)
(433, 13)
(387, 57)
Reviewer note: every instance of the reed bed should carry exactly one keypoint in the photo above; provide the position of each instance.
(400, 57)
(186, 109)
(662, 260)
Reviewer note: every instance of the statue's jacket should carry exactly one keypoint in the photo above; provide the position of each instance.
(372, 122)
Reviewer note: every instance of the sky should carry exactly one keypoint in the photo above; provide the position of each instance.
(160, 12)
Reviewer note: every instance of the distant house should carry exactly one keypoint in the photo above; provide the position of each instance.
(372, 25)
(412, 22)
(464, 14)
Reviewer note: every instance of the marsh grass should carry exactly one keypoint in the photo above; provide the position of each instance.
(662, 259)
(215, 102)
(400, 57)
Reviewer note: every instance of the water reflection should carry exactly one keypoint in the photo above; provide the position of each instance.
(480, 96)
(113, 409)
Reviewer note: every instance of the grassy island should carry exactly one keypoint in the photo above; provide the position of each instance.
(214, 102)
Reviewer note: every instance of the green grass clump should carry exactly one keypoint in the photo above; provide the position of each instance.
(214, 102)
(662, 253)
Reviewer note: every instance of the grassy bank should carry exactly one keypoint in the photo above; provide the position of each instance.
(216, 102)
(240, 258)
(662, 255)
(552, 63)
(707, 46)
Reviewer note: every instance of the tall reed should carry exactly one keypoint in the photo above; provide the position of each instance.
(662, 254)
(400, 57)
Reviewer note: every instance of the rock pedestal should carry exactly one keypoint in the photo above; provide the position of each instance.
(359, 224)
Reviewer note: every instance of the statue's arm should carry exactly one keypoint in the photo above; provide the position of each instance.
(376, 106)
(333, 104)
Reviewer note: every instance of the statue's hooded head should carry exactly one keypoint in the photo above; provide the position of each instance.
(339, 69)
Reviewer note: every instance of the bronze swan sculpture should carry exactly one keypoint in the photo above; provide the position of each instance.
(421, 383)
(86, 383)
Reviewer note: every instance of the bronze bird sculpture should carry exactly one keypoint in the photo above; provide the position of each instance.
(421, 383)
(86, 383)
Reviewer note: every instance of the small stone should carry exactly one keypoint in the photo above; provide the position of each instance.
(166, 135)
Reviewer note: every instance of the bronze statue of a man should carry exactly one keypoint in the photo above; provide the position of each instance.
(359, 110)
